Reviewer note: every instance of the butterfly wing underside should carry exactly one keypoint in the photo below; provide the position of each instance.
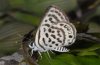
(52, 33)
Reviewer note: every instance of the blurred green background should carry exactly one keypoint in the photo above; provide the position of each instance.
(18, 17)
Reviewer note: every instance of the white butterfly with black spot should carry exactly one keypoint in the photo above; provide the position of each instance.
(54, 33)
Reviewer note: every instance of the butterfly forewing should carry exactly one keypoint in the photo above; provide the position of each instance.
(54, 15)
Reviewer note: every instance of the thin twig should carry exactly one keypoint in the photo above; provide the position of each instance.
(88, 37)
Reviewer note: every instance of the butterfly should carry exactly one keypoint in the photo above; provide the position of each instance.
(54, 33)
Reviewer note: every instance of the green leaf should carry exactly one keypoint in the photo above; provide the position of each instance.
(1, 23)
(39, 6)
(94, 28)
(64, 59)
(69, 59)
(85, 53)
(11, 35)
(88, 60)
(98, 10)
(22, 17)
(83, 50)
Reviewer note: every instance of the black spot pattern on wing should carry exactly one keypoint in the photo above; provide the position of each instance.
(46, 34)
(58, 13)
(49, 30)
(49, 40)
(44, 29)
(69, 43)
(44, 41)
(56, 44)
(58, 31)
(53, 36)
(59, 40)
(61, 24)
(50, 19)
(70, 36)
(65, 26)
(45, 20)
(50, 45)
(53, 16)
(59, 35)
(52, 10)
(47, 25)
(39, 42)
(53, 31)
(53, 42)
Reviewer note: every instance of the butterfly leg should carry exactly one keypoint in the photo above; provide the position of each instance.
(48, 54)
(52, 52)
(40, 54)
(32, 52)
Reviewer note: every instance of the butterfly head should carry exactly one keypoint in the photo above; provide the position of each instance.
(28, 38)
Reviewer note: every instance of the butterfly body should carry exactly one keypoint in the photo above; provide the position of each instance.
(54, 33)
